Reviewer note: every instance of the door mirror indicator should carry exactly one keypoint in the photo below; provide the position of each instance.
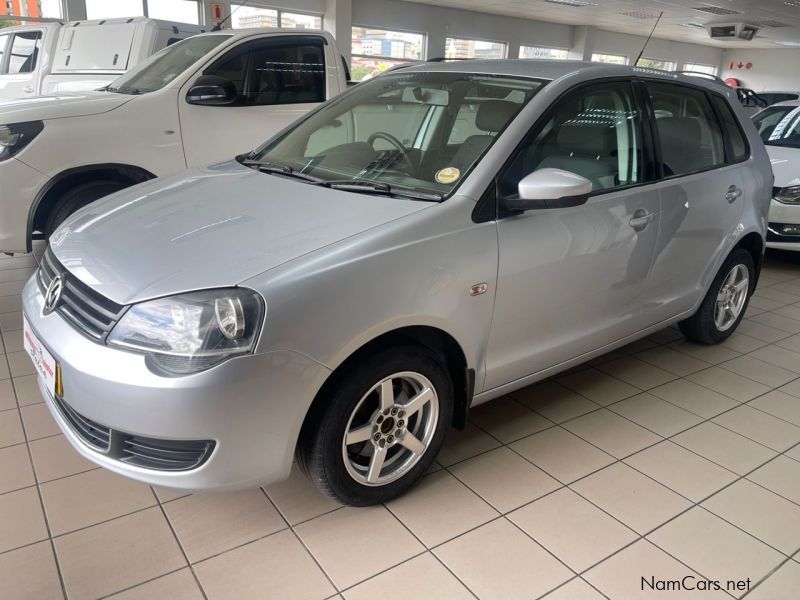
(210, 90)
(549, 188)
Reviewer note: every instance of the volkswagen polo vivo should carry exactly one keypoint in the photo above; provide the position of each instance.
(430, 240)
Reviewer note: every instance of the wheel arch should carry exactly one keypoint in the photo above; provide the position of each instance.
(48, 196)
(755, 246)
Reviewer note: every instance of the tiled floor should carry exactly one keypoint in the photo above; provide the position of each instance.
(662, 460)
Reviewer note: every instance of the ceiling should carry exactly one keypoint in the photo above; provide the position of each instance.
(683, 20)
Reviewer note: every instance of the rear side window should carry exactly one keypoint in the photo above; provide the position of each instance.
(689, 134)
(738, 150)
(24, 52)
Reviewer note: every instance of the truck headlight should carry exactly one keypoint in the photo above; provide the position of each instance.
(788, 195)
(15, 137)
(191, 332)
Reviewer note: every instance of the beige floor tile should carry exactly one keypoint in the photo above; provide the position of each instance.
(508, 420)
(12, 288)
(577, 589)
(38, 421)
(761, 331)
(439, 508)
(779, 404)
(781, 584)
(13, 341)
(561, 454)
(555, 402)
(18, 274)
(298, 499)
(681, 470)
(785, 325)
(741, 343)
(10, 428)
(8, 400)
(4, 372)
(30, 574)
(774, 294)
(729, 384)
(504, 479)
(715, 548)
(764, 303)
(461, 445)
(782, 476)
(695, 398)
(611, 433)
(92, 497)
(637, 372)
(27, 389)
(668, 359)
(11, 321)
(724, 447)
(765, 515)
(21, 519)
(54, 457)
(168, 494)
(574, 530)
(794, 453)
(498, 561)
(763, 372)
(790, 343)
(639, 502)
(598, 386)
(19, 363)
(781, 357)
(621, 576)
(116, 555)
(710, 354)
(15, 468)
(210, 523)
(274, 567)
(655, 414)
(760, 427)
(384, 541)
(792, 388)
(421, 577)
(179, 585)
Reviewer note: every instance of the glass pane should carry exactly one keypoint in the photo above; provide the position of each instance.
(363, 68)
(612, 59)
(463, 48)
(298, 21)
(368, 41)
(732, 129)
(3, 42)
(698, 68)
(546, 53)
(51, 9)
(24, 51)
(655, 63)
(182, 11)
(250, 16)
(103, 9)
(779, 126)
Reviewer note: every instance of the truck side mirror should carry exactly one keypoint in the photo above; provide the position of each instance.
(210, 90)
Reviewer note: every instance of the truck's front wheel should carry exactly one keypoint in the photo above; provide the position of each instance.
(78, 197)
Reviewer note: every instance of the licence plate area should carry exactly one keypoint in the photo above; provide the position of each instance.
(45, 364)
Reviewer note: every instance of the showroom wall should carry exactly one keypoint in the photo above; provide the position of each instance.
(771, 69)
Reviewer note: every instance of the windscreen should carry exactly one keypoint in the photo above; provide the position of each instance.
(779, 126)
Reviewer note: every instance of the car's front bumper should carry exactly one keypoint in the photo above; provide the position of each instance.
(252, 407)
(779, 215)
(20, 186)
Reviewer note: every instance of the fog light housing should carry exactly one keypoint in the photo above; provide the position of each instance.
(790, 229)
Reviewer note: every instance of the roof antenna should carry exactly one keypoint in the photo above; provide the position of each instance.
(219, 25)
(647, 41)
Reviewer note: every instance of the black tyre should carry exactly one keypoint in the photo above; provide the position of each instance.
(77, 198)
(381, 427)
(725, 303)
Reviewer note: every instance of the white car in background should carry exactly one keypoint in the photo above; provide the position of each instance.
(779, 128)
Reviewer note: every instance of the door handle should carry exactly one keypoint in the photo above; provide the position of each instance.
(733, 194)
(28, 89)
(641, 219)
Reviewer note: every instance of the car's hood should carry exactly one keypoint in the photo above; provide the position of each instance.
(58, 106)
(785, 165)
(209, 228)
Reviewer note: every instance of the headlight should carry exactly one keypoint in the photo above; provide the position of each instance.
(788, 195)
(191, 332)
(14, 138)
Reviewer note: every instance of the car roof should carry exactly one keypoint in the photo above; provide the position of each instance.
(786, 103)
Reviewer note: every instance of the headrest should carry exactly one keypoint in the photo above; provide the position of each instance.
(494, 115)
(587, 140)
(683, 128)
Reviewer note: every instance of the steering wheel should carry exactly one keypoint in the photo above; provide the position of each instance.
(382, 135)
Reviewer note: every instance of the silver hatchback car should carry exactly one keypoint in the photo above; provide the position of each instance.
(428, 241)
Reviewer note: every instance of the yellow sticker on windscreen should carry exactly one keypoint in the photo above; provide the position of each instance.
(448, 175)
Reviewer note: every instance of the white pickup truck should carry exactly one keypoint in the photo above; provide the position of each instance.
(80, 55)
(205, 99)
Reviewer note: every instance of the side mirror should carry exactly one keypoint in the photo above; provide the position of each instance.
(210, 90)
(550, 188)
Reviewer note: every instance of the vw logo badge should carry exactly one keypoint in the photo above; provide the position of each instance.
(53, 294)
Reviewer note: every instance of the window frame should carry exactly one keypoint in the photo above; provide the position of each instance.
(472, 39)
(4, 57)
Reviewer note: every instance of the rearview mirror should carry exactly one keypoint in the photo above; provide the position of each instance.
(550, 188)
(210, 90)
(425, 95)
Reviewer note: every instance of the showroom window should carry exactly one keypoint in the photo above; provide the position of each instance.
(657, 63)
(51, 9)
(182, 11)
(698, 68)
(377, 50)
(543, 53)
(611, 59)
(246, 16)
(24, 51)
(103, 9)
(466, 48)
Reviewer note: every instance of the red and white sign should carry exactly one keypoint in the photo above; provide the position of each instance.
(217, 12)
(740, 65)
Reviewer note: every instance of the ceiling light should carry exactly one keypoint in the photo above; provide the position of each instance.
(718, 10)
(573, 3)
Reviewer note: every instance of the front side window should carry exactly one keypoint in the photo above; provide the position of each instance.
(24, 52)
(779, 126)
(594, 132)
(397, 132)
(265, 72)
(377, 50)
(460, 48)
(688, 131)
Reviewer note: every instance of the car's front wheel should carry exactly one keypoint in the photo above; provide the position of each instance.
(380, 428)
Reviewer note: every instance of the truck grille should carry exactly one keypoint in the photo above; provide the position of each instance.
(91, 313)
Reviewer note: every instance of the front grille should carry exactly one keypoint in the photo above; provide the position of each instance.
(89, 312)
(145, 452)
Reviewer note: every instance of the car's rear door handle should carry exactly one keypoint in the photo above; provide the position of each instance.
(28, 89)
(733, 194)
(641, 219)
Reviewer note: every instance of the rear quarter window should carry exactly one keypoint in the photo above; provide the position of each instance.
(738, 149)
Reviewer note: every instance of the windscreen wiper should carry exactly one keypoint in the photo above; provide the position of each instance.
(130, 91)
(278, 169)
(377, 187)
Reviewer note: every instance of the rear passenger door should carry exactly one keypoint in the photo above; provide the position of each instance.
(701, 195)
